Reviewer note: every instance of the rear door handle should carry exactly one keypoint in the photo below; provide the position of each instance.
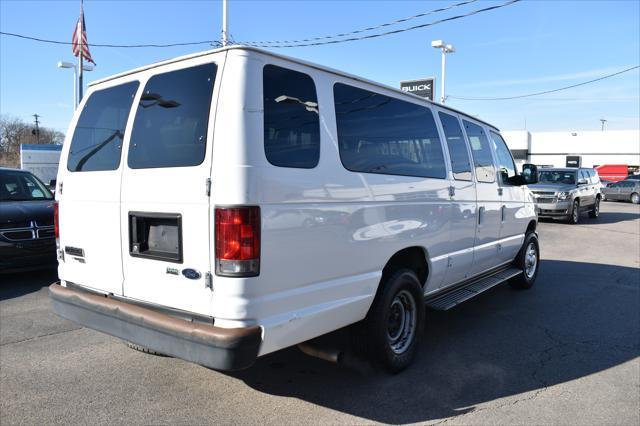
(500, 191)
(452, 191)
(480, 211)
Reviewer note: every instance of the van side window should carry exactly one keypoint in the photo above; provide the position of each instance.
(506, 166)
(485, 170)
(379, 134)
(97, 138)
(460, 163)
(170, 128)
(291, 118)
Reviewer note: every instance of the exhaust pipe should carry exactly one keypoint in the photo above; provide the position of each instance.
(331, 355)
(336, 356)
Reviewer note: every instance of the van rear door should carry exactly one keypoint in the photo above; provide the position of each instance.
(165, 215)
(89, 189)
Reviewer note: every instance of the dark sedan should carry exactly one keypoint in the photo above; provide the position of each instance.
(27, 236)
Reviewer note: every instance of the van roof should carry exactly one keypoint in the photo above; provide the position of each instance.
(287, 58)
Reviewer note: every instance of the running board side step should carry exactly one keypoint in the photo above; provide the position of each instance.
(455, 297)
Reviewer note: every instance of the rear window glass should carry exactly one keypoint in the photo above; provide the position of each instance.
(291, 122)
(170, 128)
(481, 150)
(380, 134)
(97, 138)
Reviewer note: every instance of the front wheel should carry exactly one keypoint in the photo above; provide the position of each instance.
(574, 216)
(635, 198)
(595, 211)
(390, 333)
(528, 261)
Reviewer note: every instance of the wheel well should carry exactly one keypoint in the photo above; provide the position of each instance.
(531, 227)
(413, 258)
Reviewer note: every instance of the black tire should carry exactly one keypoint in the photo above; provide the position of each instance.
(526, 279)
(574, 214)
(143, 349)
(635, 198)
(372, 337)
(595, 211)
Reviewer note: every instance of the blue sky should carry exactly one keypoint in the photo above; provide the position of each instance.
(530, 46)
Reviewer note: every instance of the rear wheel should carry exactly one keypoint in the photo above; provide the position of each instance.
(528, 260)
(143, 349)
(574, 216)
(635, 198)
(595, 211)
(390, 333)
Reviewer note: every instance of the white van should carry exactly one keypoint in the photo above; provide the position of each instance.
(228, 204)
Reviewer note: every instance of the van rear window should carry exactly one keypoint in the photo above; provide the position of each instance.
(97, 138)
(170, 128)
(291, 123)
(380, 134)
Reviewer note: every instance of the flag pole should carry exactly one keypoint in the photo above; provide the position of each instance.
(80, 38)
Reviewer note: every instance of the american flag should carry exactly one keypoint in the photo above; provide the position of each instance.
(79, 39)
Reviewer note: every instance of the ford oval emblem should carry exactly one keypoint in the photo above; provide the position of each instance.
(192, 274)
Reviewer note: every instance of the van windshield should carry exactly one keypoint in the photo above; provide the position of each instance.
(557, 176)
(21, 186)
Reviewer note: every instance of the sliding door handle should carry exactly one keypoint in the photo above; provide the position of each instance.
(480, 212)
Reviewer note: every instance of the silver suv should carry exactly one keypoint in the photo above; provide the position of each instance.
(565, 193)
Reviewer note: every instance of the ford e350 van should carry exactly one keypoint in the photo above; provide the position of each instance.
(228, 204)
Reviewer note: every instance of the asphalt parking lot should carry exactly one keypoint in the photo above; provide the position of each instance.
(565, 352)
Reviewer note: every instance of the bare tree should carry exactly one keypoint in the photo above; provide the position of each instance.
(15, 131)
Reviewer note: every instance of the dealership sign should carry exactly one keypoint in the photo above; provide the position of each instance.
(422, 87)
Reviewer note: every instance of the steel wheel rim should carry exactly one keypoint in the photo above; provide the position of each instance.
(401, 323)
(530, 260)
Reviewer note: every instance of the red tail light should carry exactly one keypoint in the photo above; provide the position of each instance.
(237, 241)
(56, 221)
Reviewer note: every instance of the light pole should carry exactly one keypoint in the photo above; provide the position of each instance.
(602, 120)
(225, 24)
(445, 48)
(87, 67)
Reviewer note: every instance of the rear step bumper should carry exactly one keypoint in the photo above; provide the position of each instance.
(214, 347)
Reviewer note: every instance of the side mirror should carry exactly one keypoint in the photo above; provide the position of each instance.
(52, 183)
(529, 174)
(582, 182)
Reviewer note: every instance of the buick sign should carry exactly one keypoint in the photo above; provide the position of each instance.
(422, 87)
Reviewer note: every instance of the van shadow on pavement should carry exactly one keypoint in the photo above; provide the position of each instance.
(577, 320)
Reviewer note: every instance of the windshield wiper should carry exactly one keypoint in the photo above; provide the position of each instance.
(86, 157)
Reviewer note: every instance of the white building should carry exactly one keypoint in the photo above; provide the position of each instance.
(572, 149)
(41, 160)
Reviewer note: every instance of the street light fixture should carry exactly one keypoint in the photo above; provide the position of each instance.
(602, 120)
(445, 48)
(87, 67)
